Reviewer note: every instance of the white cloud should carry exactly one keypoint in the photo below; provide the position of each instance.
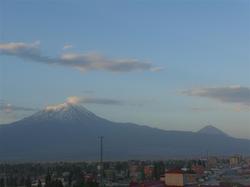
(156, 69)
(80, 61)
(67, 46)
(73, 100)
(227, 94)
(92, 100)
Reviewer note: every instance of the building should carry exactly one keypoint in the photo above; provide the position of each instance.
(147, 184)
(179, 178)
(148, 171)
(235, 160)
(198, 169)
(212, 162)
(135, 172)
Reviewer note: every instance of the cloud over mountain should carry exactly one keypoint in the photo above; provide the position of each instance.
(227, 94)
(7, 110)
(80, 61)
(92, 100)
(72, 100)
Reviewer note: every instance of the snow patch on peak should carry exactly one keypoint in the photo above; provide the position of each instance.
(67, 112)
(73, 100)
(56, 107)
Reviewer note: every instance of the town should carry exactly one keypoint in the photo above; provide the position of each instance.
(129, 93)
(233, 171)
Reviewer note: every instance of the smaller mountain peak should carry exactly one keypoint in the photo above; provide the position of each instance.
(210, 129)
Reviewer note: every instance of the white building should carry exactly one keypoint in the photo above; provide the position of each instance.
(179, 178)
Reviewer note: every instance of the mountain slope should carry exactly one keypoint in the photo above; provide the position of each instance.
(209, 129)
(70, 132)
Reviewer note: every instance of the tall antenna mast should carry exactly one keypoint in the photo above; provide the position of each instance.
(5, 176)
(101, 161)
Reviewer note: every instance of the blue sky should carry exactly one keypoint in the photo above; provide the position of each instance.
(107, 52)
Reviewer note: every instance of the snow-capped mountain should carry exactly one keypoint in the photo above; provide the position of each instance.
(70, 132)
(65, 112)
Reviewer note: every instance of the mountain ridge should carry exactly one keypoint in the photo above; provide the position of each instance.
(54, 134)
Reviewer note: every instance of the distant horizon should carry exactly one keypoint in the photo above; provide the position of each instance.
(173, 65)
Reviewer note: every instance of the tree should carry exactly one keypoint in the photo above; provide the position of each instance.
(79, 183)
(48, 180)
(39, 183)
(159, 169)
(28, 182)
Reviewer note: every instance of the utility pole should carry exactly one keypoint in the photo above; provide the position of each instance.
(5, 177)
(101, 161)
